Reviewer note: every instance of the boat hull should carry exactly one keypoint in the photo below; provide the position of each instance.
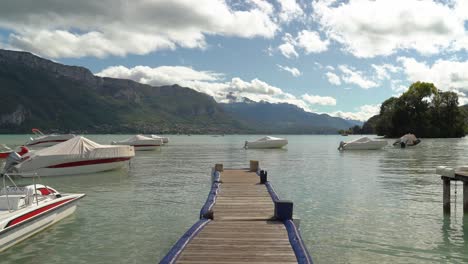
(272, 144)
(145, 147)
(373, 146)
(73, 170)
(44, 144)
(26, 229)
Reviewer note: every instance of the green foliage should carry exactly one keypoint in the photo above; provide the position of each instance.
(422, 110)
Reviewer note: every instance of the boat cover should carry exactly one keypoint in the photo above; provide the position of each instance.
(139, 139)
(269, 138)
(76, 149)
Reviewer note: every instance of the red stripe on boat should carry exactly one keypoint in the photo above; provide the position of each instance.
(4, 155)
(87, 162)
(47, 141)
(35, 212)
(146, 146)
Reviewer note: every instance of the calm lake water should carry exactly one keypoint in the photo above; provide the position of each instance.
(355, 207)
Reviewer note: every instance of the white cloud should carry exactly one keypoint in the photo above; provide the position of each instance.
(294, 71)
(384, 71)
(208, 82)
(102, 28)
(330, 68)
(290, 10)
(287, 48)
(333, 78)
(382, 27)
(398, 87)
(363, 113)
(319, 100)
(352, 76)
(310, 41)
(447, 75)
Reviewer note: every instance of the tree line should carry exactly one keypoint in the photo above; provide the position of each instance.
(422, 110)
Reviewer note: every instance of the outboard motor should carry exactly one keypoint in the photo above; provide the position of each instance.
(13, 159)
(342, 143)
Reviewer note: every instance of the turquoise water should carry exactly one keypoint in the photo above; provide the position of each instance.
(355, 207)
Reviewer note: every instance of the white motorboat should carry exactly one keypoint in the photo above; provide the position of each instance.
(78, 155)
(363, 143)
(407, 140)
(27, 210)
(4, 151)
(266, 143)
(140, 142)
(42, 141)
(165, 140)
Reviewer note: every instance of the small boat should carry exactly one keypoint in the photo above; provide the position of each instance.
(29, 209)
(140, 142)
(5, 151)
(78, 155)
(266, 143)
(363, 143)
(42, 141)
(165, 140)
(407, 140)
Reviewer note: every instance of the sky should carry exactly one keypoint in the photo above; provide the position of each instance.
(341, 57)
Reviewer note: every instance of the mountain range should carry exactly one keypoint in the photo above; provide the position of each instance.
(37, 92)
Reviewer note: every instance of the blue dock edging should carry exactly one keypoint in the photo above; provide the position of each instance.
(302, 254)
(205, 212)
(179, 246)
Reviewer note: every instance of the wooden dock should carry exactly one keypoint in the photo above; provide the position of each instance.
(461, 176)
(243, 221)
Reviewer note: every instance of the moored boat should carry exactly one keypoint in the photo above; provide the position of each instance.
(407, 140)
(41, 140)
(78, 155)
(363, 143)
(165, 140)
(27, 210)
(5, 151)
(266, 143)
(140, 142)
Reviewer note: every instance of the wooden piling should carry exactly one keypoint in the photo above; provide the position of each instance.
(446, 195)
(254, 165)
(219, 167)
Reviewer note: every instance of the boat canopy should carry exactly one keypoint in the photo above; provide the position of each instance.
(136, 138)
(269, 138)
(4, 148)
(81, 147)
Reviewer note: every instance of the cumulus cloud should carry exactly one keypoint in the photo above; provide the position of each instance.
(383, 71)
(213, 84)
(290, 10)
(102, 28)
(294, 71)
(319, 100)
(447, 75)
(352, 76)
(372, 28)
(362, 113)
(333, 78)
(288, 50)
(309, 41)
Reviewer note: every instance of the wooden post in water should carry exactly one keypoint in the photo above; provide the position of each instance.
(446, 195)
(254, 165)
(219, 167)
(465, 197)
